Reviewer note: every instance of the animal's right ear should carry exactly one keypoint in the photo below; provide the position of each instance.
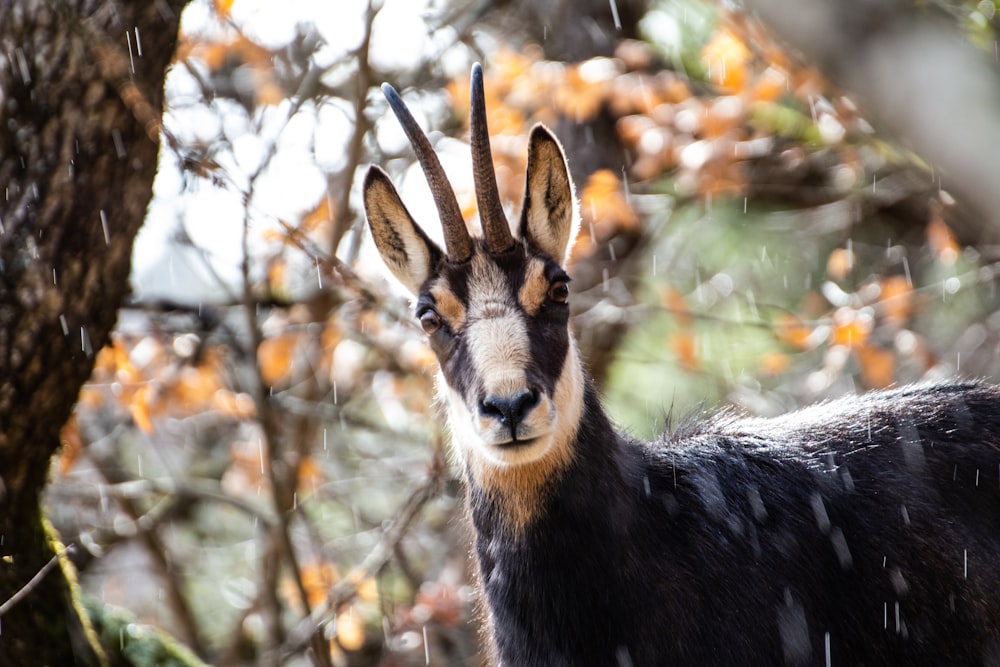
(408, 252)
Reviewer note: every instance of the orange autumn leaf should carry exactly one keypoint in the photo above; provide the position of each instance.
(310, 476)
(723, 115)
(274, 357)
(317, 579)
(232, 404)
(896, 300)
(852, 332)
(685, 347)
(268, 92)
(72, 445)
(319, 217)
(223, 7)
(91, 397)
(578, 98)
(794, 332)
(770, 86)
(941, 240)
(877, 366)
(276, 272)
(676, 305)
(727, 57)
(840, 263)
(140, 408)
(774, 363)
(350, 630)
(603, 203)
(196, 386)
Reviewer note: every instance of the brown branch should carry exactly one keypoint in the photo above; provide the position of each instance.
(355, 150)
(282, 477)
(25, 590)
(346, 589)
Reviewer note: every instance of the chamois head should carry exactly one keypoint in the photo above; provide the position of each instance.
(495, 308)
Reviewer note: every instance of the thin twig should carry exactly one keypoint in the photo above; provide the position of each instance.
(355, 149)
(33, 582)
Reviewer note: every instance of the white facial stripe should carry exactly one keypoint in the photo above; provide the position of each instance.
(499, 349)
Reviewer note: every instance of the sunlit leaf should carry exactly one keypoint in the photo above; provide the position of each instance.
(726, 57)
(840, 263)
(877, 365)
(350, 630)
(794, 332)
(684, 345)
(604, 206)
(941, 239)
(233, 404)
(223, 7)
(770, 86)
(195, 387)
(310, 475)
(676, 305)
(275, 357)
(774, 363)
(72, 445)
(140, 408)
(896, 301)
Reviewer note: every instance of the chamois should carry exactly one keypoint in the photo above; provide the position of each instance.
(865, 530)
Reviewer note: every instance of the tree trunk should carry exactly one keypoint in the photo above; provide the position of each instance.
(81, 91)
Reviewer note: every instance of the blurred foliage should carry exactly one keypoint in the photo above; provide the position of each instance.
(242, 471)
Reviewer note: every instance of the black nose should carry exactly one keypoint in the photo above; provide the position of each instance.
(509, 410)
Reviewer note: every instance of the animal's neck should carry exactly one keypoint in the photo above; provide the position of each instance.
(514, 499)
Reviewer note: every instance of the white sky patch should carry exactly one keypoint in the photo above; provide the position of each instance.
(341, 24)
(269, 23)
(662, 28)
(334, 128)
(399, 35)
(290, 186)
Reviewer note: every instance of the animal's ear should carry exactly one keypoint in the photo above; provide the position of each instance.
(548, 217)
(408, 252)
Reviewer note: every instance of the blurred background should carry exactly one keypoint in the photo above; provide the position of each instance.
(259, 451)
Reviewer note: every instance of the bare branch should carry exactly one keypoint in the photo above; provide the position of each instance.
(25, 590)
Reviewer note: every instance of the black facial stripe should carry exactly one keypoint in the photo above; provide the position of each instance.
(548, 338)
(458, 280)
(513, 264)
(458, 370)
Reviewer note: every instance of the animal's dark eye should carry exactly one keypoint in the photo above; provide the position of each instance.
(559, 291)
(430, 321)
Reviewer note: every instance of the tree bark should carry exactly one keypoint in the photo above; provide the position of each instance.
(81, 93)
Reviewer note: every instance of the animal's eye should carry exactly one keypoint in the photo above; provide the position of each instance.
(559, 291)
(430, 321)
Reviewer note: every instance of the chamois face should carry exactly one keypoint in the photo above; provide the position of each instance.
(495, 309)
(499, 327)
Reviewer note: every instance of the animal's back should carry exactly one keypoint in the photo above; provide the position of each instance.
(866, 530)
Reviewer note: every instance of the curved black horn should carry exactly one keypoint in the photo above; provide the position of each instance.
(456, 235)
(495, 227)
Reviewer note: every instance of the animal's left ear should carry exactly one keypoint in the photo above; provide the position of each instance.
(548, 217)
